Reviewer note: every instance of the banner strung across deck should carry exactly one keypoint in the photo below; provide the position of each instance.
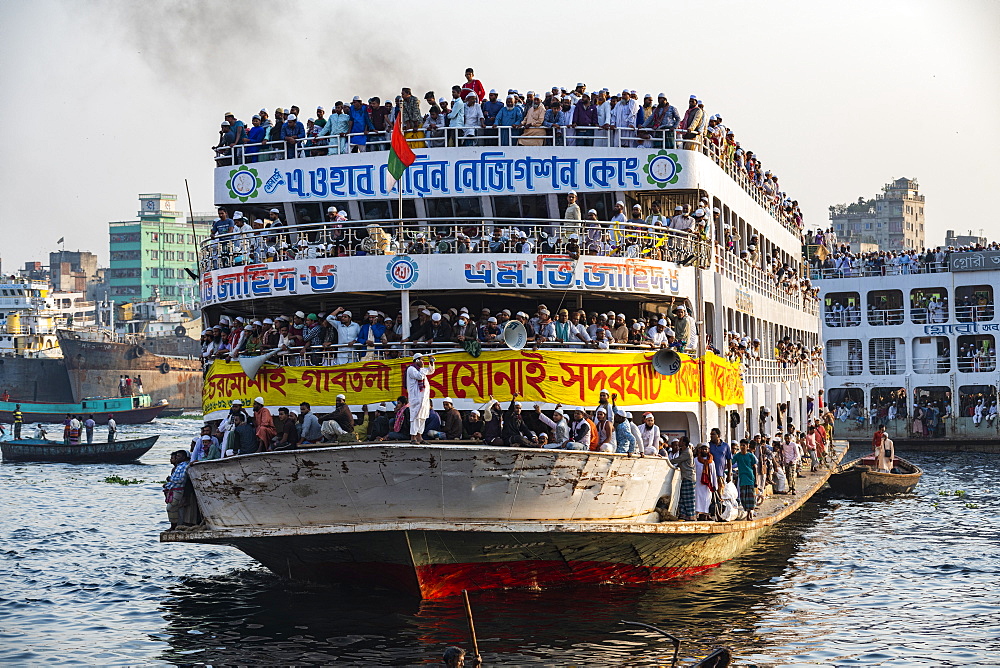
(550, 377)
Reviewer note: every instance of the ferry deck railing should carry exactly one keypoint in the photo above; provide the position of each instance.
(842, 318)
(590, 136)
(477, 235)
(753, 371)
(454, 235)
(865, 271)
(885, 316)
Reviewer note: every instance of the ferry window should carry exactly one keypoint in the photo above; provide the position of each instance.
(309, 214)
(932, 403)
(458, 207)
(843, 357)
(506, 206)
(974, 303)
(931, 354)
(886, 356)
(154, 272)
(154, 255)
(383, 209)
(341, 206)
(534, 206)
(602, 203)
(977, 353)
(885, 307)
(888, 404)
(842, 309)
(154, 236)
(928, 305)
(846, 403)
(978, 404)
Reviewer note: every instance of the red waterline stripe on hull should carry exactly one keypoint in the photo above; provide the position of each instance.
(443, 580)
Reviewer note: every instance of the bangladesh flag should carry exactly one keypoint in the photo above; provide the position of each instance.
(400, 154)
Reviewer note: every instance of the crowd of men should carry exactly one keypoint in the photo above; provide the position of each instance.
(240, 240)
(559, 116)
(337, 338)
(743, 349)
(839, 261)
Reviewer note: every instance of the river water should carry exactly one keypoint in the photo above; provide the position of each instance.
(906, 582)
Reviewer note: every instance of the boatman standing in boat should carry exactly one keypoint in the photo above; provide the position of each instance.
(112, 428)
(419, 394)
(18, 421)
(883, 449)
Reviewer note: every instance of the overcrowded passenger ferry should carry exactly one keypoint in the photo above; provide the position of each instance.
(913, 345)
(482, 348)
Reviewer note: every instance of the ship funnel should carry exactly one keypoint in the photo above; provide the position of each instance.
(666, 362)
(251, 365)
(514, 335)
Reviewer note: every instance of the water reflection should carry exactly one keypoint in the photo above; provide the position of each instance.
(254, 617)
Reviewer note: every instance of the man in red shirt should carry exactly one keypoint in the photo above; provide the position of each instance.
(472, 85)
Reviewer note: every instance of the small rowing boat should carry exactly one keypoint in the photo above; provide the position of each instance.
(41, 450)
(860, 478)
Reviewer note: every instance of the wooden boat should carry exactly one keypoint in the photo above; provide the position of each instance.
(859, 478)
(127, 410)
(40, 450)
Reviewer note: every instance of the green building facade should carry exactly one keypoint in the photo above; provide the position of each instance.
(149, 256)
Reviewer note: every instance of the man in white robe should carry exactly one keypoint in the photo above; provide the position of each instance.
(418, 392)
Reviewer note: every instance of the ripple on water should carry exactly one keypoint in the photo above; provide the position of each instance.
(86, 581)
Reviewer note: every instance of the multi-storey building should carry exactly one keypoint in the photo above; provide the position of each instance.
(892, 220)
(149, 256)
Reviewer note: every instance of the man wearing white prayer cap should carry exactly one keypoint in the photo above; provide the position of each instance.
(418, 392)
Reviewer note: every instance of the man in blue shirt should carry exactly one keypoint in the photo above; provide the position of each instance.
(223, 224)
(491, 108)
(291, 132)
(510, 116)
(746, 462)
(722, 455)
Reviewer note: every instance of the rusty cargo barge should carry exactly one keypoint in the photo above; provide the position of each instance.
(94, 362)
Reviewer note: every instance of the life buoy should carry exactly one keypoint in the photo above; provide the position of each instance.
(180, 330)
(164, 368)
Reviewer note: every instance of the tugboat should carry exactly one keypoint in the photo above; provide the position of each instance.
(435, 518)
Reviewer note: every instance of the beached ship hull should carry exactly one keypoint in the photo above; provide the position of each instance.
(94, 367)
(35, 379)
(434, 520)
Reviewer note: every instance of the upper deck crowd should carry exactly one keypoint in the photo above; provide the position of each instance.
(838, 261)
(469, 116)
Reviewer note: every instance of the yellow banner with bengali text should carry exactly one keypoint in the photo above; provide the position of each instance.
(550, 377)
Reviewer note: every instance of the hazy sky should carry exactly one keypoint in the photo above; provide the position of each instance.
(107, 99)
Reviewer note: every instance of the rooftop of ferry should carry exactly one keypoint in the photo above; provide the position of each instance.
(839, 261)
(469, 116)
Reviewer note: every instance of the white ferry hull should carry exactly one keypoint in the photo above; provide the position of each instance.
(393, 483)
(518, 518)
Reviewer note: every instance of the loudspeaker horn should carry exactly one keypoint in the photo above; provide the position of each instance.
(251, 365)
(514, 335)
(666, 362)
